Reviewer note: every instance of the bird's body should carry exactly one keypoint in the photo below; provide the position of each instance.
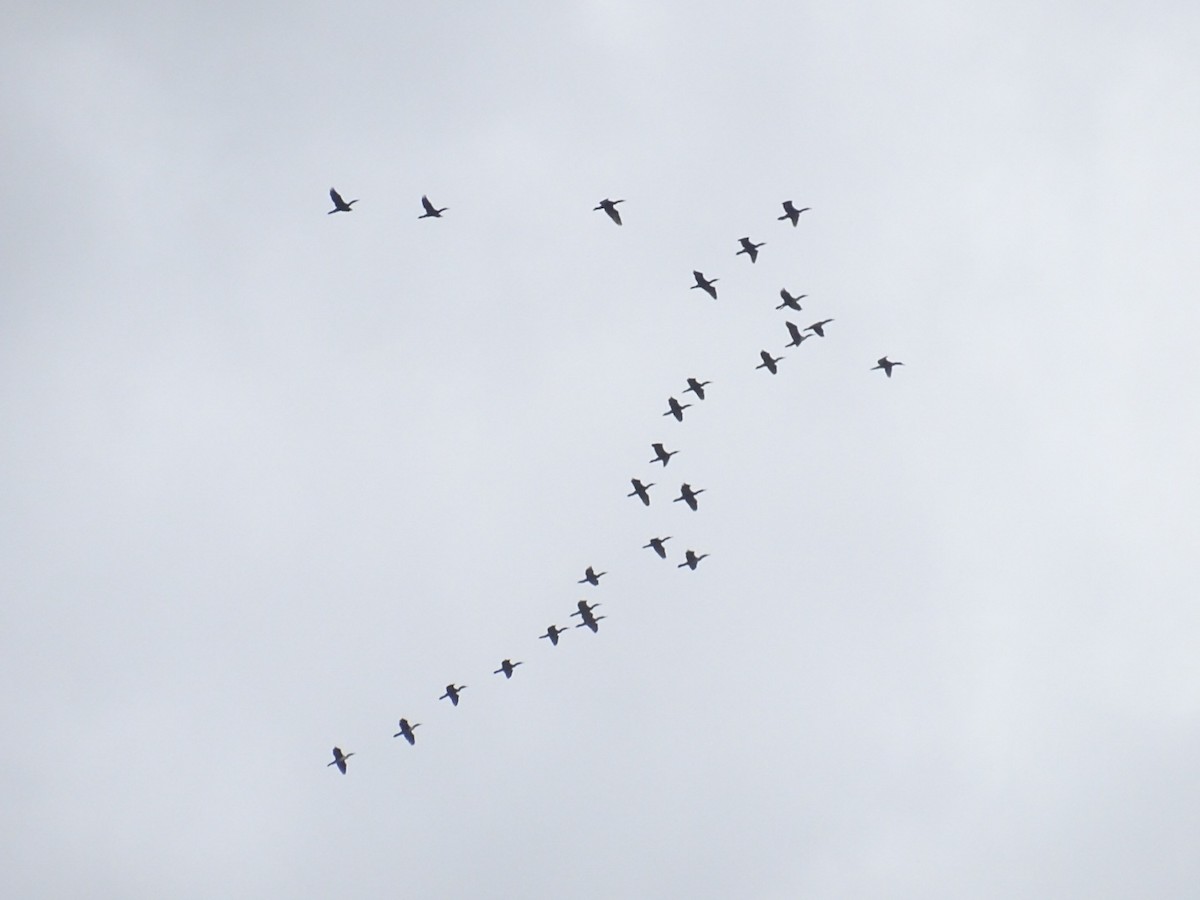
(676, 409)
(688, 495)
(584, 611)
(750, 249)
(887, 365)
(641, 491)
(819, 327)
(769, 362)
(662, 455)
(406, 731)
(430, 212)
(452, 693)
(798, 336)
(790, 212)
(339, 759)
(656, 544)
(691, 560)
(591, 576)
(789, 301)
(507, 668)
(705, 284)
(696, 387)
(339, 205)
(610, 207)
(553, 633)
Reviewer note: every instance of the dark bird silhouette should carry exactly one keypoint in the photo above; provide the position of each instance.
(676, 409)
(819, 327)
(789, 301)
(688, 496)
(339, 759)
(749, 249)
(507, 668)
(610, 207)
(705, 284)
(768, 362)
(696, 387)
(585, 613)
(339, 205)
(554, 633)
(406, 731)
(591, 577)
(641, 491)
(656, 544)
(662, 455)
(798, 336)
(886, 364)
(452, 693)
(691, 560)
(430, 212)
(790, 212)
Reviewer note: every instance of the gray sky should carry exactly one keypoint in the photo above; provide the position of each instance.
(270, 478)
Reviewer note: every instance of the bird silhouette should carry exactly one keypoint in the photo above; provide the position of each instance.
(886, 364)
(339, 759)
(661, 454)
(656, 544)
(610, 207)
(553, 633)
(430, 212)
(676, 409)
(691, 560)
(798, 337)
(591, 577)
(705, 284)
(790, 212)
(339, 205)
(749, 249)
(406, 731)
(696, 387)
(688, 496)
(507, 668)
(768, 362)
(584, 611)
(452, 693)
(819, 327)
(641, 491)
(789, 301)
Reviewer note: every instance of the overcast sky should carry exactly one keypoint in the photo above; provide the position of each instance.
(270, 479)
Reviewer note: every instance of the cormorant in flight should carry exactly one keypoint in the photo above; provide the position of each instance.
(590, 576)
(790, 212)
(886, 364)
(661, 454)
(768, 362)
(339, 759)
(789, 301)
(406, 731)
(676, 409)
(610, 207)
(339, 205)
(452, 693)
(696, 387)
(430, 212)
(691, 560)
(656, 544)
(553, 632)
(819, 327)
(749, 249)
(705, 284)
(688, 496)
(641, 491)
(507, 668)
(798, 337)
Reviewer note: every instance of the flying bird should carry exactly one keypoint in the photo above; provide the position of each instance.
(768, 362)
(452, 693)
(610, 207)
(705, 284)
(591, 577)
(339, 759)
(789, 301)
(696, 387)
(676, 410)
(886, 364)
(553, 632)
(688, 496)
(790, 212)
(507, 668)
(641, 491)
(749, 249)
(656, 544)
(798, 336)
(585, 613)
(661, 454)
(406, 731)
(430, 212)
(339, 205)
(691, 560)
(819, 327)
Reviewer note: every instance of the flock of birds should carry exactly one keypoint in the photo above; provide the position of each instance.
(641, 490)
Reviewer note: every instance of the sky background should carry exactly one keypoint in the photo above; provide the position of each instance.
(270, 479)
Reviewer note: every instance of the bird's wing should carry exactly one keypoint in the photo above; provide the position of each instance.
(336, 197)
(425, 203)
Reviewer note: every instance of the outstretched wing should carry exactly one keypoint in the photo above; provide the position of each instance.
(428, 206)
(336, 197)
